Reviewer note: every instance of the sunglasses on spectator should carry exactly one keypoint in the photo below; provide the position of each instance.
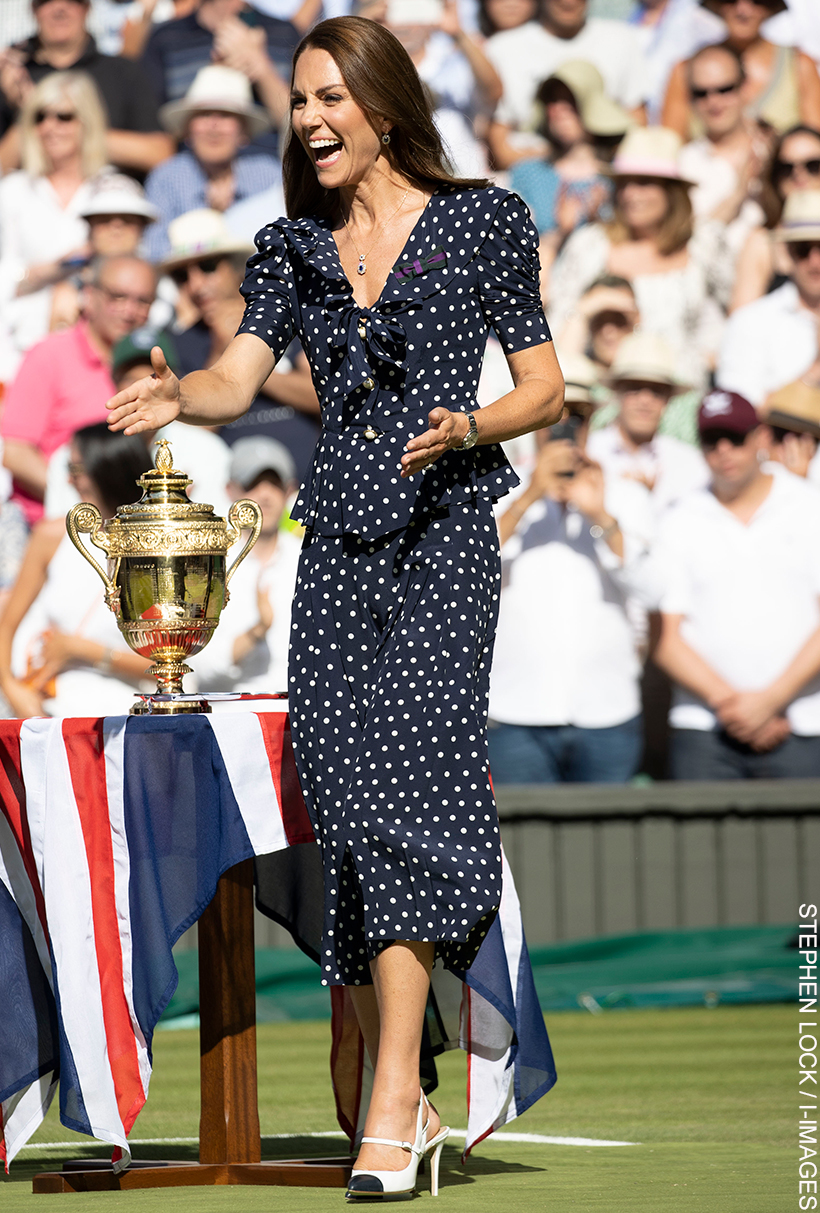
(801, 249)
(39, 3)
(787, 168)
(180, 275)
(61, 116)
(722, 90)
(757, 3)
(710, 440)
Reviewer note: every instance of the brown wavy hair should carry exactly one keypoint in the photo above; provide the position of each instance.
(676, 229)
(384, 83)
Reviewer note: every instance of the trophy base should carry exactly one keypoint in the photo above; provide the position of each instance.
(169, 705)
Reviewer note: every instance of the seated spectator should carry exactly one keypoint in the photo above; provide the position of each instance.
(233, 34)
(564, 692)
(644, 381)
(764, 263)
(208, 265)
(117, 214)
(249, 650)
(605, 314)
(64, 381)
(774, 340)
(792, 417)
(781, 87)
(668, 31)
(62, 43)
(567, 187)
(216, 119)
(529, 53)
(43, 235)
(739, 572)
(679, 270)
(77, 663)
(197, 450)
(726, 164)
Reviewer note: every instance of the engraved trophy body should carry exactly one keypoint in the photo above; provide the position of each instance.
(167, 575)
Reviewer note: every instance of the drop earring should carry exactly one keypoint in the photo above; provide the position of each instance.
(385, 138)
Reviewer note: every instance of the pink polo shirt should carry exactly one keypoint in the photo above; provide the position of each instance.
(62, 385)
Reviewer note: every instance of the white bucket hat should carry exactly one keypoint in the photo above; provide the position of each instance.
(649, 151)
(216, 88)
(200, 234)
(119, 195)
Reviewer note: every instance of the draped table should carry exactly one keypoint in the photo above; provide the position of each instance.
(116, 835)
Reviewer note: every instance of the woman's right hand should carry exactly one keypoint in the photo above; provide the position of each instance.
(148, 404)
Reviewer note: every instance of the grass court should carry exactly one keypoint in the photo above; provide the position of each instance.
(709, 1096)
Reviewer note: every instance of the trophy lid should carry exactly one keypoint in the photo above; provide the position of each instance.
(164, 494)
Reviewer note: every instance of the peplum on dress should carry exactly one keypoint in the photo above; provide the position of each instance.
(397, 595)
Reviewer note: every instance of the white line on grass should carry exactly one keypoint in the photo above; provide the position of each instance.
(534, 1139)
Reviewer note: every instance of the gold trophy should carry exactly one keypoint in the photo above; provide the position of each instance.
(166, 582)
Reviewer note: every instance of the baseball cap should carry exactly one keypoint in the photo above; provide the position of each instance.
(250, 457)
(137, 346)
(727, 411)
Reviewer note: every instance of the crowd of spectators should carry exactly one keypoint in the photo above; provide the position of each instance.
(660, 610)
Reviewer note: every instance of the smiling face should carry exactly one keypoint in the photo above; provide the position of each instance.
(342, 142)
(642, 406)
(743, 19)
(60, 131)
(61, 22)
(715, 83)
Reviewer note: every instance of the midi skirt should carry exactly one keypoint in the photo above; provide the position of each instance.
(390, 656)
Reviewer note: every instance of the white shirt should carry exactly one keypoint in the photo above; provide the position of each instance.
(203, 456)
(749, 593)
(265, 669)
(672, 467)
(564, 652)
(767, 344)
(716, 180)
(528, 54)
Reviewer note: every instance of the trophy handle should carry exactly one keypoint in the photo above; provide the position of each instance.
(242, 514)
(87, 519)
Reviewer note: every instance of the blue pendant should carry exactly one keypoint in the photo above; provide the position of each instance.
(361, 268)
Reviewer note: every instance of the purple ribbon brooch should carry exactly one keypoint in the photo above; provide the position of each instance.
(436, 260)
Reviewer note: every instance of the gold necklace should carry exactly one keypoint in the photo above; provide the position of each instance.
(361, 268)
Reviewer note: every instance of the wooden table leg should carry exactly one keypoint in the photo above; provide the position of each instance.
(229, 1116)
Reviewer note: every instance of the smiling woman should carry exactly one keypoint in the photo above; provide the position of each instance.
(391, 273)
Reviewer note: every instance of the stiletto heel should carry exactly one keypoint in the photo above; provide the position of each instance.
(434, 1148)
(389, 1184)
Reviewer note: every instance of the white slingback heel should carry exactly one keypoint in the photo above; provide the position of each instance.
(387, 1185)
(434, 1148)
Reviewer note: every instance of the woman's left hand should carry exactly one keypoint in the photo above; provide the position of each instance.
(446, 433)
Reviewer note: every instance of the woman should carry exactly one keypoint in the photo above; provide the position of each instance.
(77, 663)
(43, 236)
(782, 87)
(763, 263)
(390, 272)
(680, 273)
(568, 187)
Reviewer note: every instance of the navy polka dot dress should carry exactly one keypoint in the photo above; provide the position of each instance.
(398, 587)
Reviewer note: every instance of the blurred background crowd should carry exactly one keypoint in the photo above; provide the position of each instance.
(660, 604)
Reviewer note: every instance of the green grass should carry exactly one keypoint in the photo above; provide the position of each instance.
(708, 1094)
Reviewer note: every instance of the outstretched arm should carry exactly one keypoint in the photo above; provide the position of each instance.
(216, 396)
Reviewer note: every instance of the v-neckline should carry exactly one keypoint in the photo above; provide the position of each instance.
(369, 307)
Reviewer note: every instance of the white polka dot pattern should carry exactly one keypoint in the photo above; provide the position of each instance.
(389, 678)
(421, 345)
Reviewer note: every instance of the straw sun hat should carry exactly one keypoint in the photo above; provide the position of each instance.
(649, 151)
(200, 234)
(598, 113)
(801, 217)
(645, 358)
(215, 88)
